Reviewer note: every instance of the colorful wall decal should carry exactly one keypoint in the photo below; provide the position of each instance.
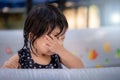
(92, 55)
(8, 50)
(98, 66)
(117, 53)
(107, 61)
(106, 47)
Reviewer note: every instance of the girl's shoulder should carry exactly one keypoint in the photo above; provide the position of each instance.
(11, 62)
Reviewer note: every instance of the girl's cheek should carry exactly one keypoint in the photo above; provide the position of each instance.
(44, 45)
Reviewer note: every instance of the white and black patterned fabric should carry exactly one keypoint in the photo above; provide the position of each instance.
(26, 61)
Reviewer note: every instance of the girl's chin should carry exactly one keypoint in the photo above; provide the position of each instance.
(50, 53)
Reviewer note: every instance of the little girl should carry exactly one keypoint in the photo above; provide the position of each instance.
(44, 33)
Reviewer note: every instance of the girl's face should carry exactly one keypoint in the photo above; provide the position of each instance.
(40, 43)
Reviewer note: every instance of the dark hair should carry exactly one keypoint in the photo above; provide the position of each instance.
(43, 19)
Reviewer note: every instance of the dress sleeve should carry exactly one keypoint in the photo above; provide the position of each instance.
(12, 62)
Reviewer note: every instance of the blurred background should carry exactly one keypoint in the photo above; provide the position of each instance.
(79, 13)
(93, 34)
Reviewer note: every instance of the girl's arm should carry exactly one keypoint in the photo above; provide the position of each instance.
(68, 59)
(12, 62)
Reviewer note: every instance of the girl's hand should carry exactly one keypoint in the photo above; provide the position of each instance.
(54, 45)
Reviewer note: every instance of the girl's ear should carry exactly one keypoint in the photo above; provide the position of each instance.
(30, 36)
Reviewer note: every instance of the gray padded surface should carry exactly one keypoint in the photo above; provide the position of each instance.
(112, 73)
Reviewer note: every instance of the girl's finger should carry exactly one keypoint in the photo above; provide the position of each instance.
(53, 37)
(48, 38)
(49, 42)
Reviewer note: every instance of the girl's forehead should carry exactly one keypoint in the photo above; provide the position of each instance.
(56, 30)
